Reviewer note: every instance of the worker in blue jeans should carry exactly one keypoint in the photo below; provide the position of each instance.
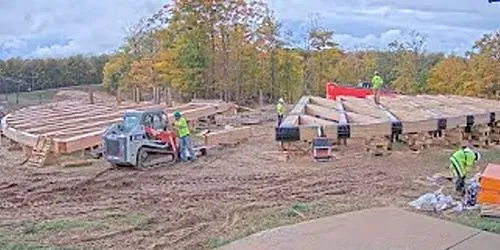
(181, 126)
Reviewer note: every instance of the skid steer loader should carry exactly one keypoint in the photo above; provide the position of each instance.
(142, 140)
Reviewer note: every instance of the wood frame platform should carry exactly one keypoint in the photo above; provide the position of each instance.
(78, 126)
(351, 117)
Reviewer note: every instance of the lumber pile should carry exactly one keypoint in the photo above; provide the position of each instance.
(455, 136)
(40, 152)
(378, 146)
(480, 136)
(495, 132)
(418, 141)
(489, 193)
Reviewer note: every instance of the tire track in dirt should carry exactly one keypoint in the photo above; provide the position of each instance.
(190, 202)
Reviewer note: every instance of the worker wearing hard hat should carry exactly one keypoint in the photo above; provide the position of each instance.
(280, 110)
(377, 83)
(460, 163)
(182, 129)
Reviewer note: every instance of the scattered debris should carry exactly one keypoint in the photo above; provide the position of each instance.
(436, 202)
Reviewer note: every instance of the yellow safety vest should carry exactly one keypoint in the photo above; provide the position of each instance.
(377, 82)
(280, 109)
(461, 161)
(182, 127)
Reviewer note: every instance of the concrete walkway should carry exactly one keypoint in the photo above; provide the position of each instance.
(381, 228)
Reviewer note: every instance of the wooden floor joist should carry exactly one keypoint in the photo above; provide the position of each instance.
(322, 112)
(401, 114)
(76, 126)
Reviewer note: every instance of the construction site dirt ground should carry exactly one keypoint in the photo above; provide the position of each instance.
(229, 194)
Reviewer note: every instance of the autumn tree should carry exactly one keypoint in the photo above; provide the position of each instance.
(448, 76)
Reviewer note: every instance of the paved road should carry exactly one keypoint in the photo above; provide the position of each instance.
(380, 228)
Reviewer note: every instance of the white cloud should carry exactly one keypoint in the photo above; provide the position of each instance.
(64, 27)
(371, 41)
(11, 43)
(366, 23)
(51, 28)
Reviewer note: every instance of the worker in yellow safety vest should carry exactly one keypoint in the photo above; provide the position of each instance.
(460, 163)
(377, 83)
(182, 129)
(280, 110)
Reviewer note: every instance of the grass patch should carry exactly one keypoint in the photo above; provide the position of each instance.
(29, 235)
(59, 225)
(296, 209)
(483, 223)
(217, 242)
(14, 239)
(492, 156)
(8, 101)
(136, 220)
(26, 246)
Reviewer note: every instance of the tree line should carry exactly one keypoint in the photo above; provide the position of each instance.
(233, 49)
(237, 49)
(21, 75)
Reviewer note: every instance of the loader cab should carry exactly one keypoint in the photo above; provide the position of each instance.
(155, 119)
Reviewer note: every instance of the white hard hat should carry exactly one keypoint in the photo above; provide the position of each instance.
(281, 100)
(478, 156)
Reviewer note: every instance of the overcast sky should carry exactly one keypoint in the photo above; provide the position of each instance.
(53, 28)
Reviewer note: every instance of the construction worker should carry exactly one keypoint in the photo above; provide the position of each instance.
(376, 85)
(280, 110)
(460, 163)
(182, 129)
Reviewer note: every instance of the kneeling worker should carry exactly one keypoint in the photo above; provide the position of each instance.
(182, 130)
(460, 163)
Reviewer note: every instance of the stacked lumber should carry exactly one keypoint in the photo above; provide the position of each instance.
(41, 151)
(489, 193)
(480, 136)
(495, 132)
(378, 146)
(455, 136)
(418, 141)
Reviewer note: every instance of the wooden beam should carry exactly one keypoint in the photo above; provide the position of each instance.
(322, 112)
(292, 119)
(20, 137)
(298, 109)
(331, 104)
(311, 120)
(356, 118)
(364, 107)
(369, 130)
